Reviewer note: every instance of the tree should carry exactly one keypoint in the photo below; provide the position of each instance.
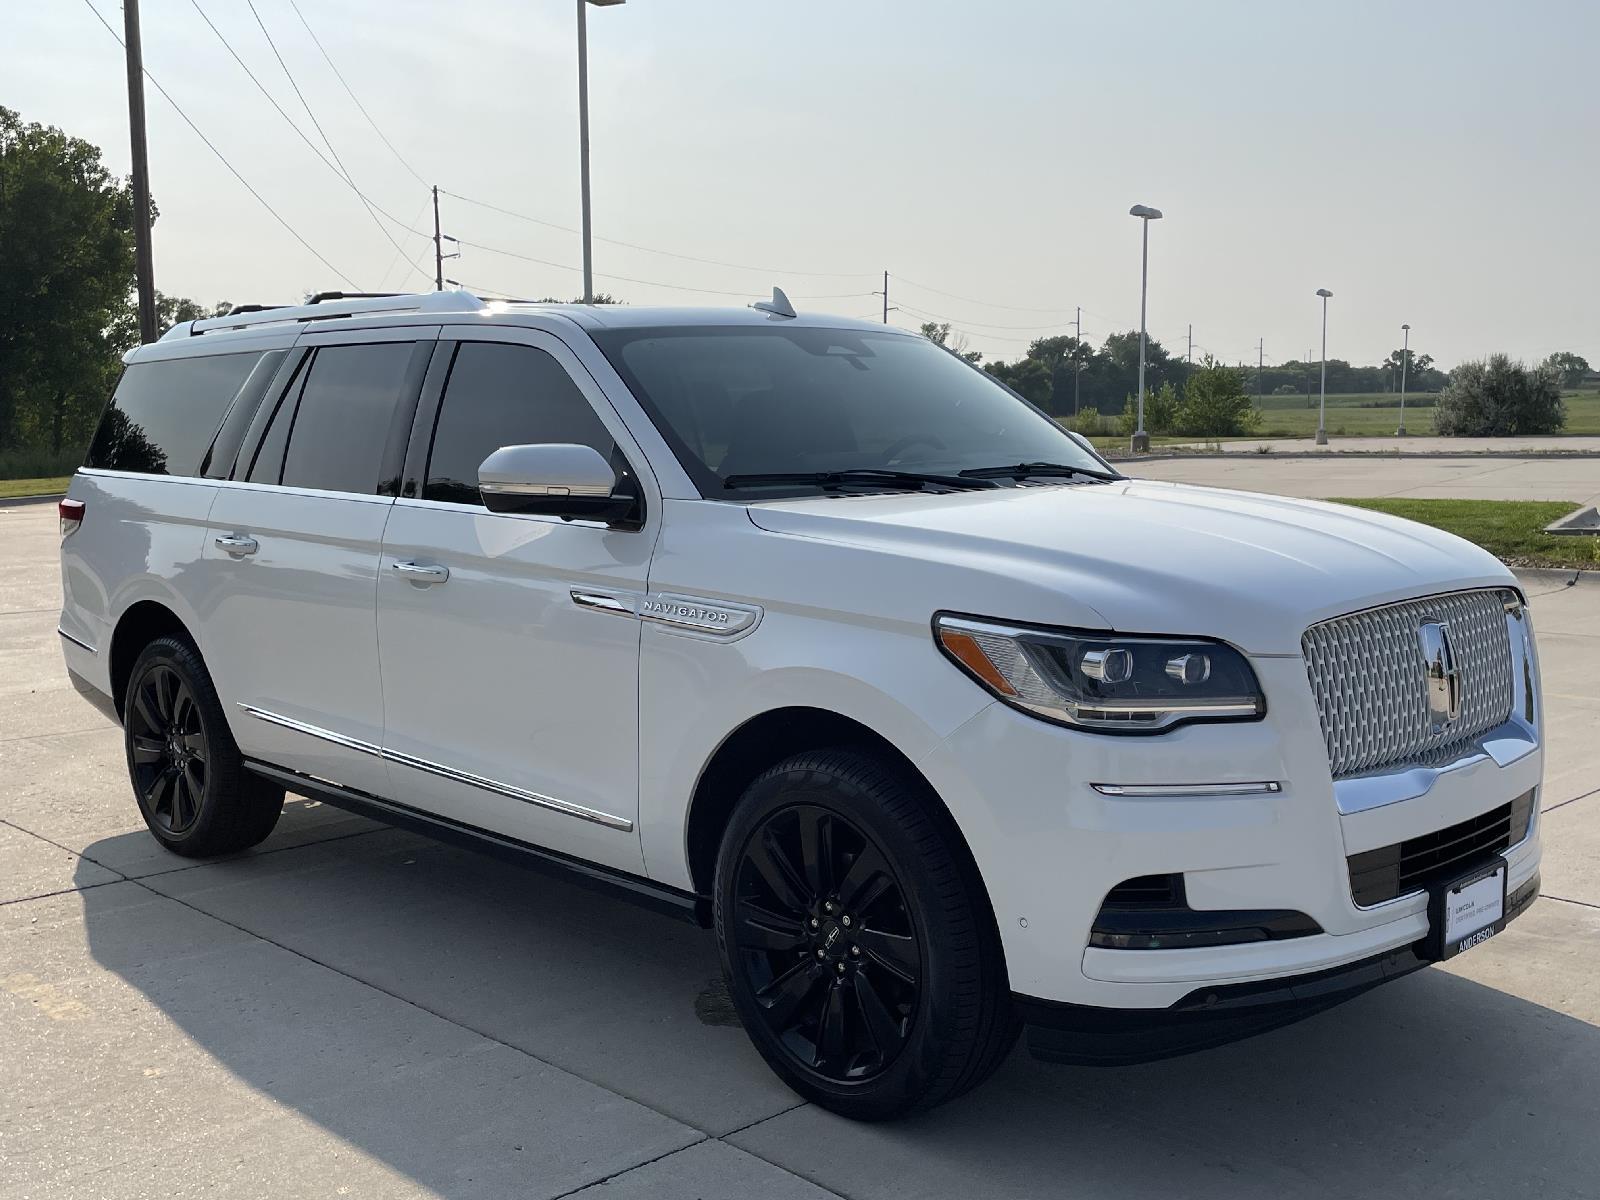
(952, 340)
(1215, 403)
(1496, 397)
(66, 245)
(1028, 377)
(123, 332)
(1418, 368)
(1571, 367)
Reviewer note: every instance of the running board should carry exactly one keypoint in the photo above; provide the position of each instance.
(686, 906)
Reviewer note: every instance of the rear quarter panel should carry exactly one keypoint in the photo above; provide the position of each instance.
(141, 539)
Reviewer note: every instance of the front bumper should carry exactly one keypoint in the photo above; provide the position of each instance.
(1050, 847)
(1215, 1015)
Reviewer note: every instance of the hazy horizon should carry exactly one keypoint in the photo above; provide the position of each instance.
(1415, 160)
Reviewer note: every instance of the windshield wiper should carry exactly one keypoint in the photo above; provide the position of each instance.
(1024, 470)
(857, 477)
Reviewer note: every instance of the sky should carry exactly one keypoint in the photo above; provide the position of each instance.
(1430, 163)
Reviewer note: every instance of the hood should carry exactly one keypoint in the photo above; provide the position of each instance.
(1153, 557)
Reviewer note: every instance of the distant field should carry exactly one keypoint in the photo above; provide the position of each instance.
(1288, 416)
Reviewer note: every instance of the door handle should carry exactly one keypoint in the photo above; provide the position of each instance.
(418, 573)
(237, 544)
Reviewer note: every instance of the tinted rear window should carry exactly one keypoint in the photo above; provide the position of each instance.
(341, 427)
(164, 414)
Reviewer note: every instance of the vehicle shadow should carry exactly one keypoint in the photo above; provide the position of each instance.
(1431, 1086)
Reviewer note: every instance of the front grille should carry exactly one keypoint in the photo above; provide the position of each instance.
(1368, 676)
(1434, 858)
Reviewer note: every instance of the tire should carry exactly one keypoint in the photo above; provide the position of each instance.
(891, 1008)
(186, 771)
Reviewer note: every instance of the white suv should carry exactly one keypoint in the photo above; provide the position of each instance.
(804, 628)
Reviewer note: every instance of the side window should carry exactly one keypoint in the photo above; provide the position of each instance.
(163, 415)
(338, 432)
(504, 395)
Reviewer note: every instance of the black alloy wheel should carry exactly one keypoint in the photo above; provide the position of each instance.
(821, 925)
(856, 936)
(188, 776)
(167, 749)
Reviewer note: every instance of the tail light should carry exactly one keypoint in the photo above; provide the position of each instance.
(71, 514)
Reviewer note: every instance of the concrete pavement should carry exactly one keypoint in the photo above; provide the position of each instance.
(354, 1011)
(1576, 479)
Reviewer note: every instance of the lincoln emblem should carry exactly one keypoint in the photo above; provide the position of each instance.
(1443, 676)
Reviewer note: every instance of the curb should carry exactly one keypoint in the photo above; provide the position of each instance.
(1571, 576)
(13, 501)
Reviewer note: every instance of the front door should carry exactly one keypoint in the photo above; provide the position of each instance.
(508, 705)
(291, 556)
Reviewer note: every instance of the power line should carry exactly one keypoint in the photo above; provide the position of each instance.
(979, 324)
(714, 262)
(351, 93)
(677, 287)
(973, 300)
(271, 99)
(323, 133)
(165, 95)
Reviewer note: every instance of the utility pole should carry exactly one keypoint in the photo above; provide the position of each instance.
(438, 245)
(886, 297)
(1077, 357)
(1261, 362)
(1189, 357)
(1308, 379)
(144, 261)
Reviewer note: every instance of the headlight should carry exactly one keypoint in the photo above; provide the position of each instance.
(1103, 681)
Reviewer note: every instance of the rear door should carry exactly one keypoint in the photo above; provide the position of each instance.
(291, 555)
(510, 704)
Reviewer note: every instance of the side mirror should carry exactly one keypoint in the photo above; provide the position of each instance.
(558, 480)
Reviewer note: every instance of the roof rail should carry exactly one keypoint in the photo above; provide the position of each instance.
(329, 309)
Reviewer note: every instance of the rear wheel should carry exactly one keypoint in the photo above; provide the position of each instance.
(186, 771)
(859, 947)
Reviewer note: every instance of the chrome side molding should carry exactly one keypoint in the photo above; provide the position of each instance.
(1265, 787)
(566, 808)
(76, 641)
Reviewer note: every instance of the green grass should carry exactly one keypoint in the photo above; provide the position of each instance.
(1288, 416)
(1511, 530)
(10, 488)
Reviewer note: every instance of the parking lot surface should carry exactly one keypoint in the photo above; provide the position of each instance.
(1326, 476)
(353, 1011)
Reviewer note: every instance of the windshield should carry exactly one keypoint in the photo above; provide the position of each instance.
(742, 402)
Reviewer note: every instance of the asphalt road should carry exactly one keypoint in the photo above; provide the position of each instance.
(353, 1011)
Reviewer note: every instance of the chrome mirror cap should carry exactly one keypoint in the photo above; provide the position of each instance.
(549, 469)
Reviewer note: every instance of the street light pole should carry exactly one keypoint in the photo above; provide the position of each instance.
(1405, 361)
(583, 138)
(1146, 214)
(1322, 405)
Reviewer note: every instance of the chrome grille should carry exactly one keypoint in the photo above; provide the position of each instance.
(1367, 675)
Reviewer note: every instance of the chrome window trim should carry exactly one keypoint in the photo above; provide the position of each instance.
(610, 821)
(1130, 790)
(76, 641)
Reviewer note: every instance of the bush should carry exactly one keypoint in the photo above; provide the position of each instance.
(1160, 411)
(1086, 421)
(1215, 403)
(1496, 397)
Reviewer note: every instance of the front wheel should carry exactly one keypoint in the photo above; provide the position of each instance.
(187, 773)
(858, 945)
